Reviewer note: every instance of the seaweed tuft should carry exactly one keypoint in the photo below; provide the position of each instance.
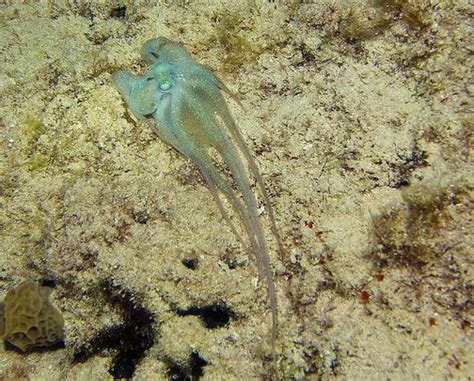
(238, 48)
(416, 232)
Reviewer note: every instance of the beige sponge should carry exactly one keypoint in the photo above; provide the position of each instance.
(28, 319)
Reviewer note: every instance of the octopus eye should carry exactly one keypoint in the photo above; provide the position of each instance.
(165, 86)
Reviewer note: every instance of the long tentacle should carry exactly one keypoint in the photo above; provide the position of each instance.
(225, 215)
(195, 141)
(221, 142)
(196, 149)
(215, 136)
(174, 111)
(205, 165)
(224, 113)
(262, 258)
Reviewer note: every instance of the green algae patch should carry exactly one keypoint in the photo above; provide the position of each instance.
(33, 128)
(414, 233)
(37, 162)
(239, 49)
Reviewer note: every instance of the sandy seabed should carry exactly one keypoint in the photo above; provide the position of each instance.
(359, 116)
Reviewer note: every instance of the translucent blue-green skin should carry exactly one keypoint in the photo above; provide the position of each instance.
(185, 101)
(175, 91)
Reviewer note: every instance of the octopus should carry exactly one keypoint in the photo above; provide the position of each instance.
(185, 101)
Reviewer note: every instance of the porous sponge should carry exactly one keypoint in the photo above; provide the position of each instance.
(28, 319)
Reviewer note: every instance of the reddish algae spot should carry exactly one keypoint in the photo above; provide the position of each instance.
(364, 296)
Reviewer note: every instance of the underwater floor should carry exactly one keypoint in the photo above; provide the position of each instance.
(358, 114)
